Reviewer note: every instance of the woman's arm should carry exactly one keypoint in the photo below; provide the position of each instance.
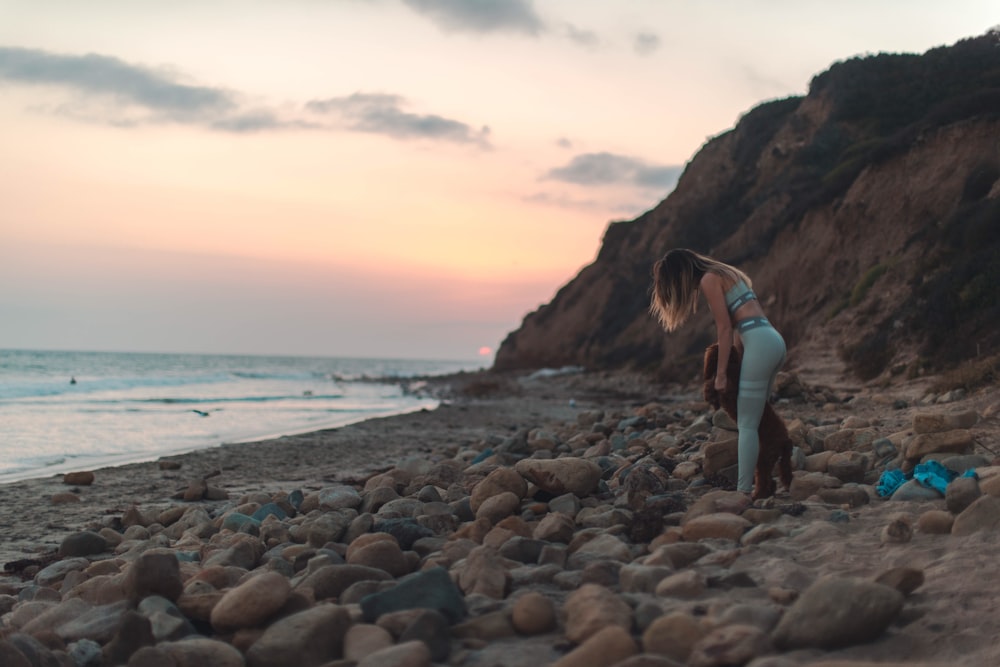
(711, 287)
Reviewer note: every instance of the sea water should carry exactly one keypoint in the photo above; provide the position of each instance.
(62, 411)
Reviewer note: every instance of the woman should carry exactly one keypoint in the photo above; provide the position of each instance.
(739, 321)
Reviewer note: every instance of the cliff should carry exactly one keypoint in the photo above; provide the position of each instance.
(867, 213)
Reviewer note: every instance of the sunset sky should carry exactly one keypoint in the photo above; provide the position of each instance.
(388, 178)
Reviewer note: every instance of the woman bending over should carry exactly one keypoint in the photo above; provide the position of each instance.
(678, 276)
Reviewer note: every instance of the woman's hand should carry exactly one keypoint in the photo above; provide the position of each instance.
(721, 382)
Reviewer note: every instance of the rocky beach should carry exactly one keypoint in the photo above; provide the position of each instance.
(564, 518)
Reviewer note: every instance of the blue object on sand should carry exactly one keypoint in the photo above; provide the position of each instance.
(889, 482)
(933, 475)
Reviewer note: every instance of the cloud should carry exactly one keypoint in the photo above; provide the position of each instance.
(646, 43)
(611, 169)
(381, 113)
(585, 38)
(109, 77)
(481, 16)
(117, 93)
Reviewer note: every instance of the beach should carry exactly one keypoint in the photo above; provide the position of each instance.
(740, 583)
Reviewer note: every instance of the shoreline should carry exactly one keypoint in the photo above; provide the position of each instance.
(72, 463)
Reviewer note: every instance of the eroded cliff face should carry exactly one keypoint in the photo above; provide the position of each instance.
(881, 245)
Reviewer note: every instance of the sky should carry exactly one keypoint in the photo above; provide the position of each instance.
(367, 178)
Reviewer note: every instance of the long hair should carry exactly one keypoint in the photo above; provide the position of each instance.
(676, 276)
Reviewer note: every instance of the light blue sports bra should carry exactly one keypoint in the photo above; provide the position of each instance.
(737, 295)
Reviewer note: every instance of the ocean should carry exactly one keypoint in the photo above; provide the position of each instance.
(63, 411)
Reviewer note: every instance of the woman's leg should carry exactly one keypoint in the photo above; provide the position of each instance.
(763, 355)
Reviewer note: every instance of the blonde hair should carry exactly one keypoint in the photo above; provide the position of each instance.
(676, 277)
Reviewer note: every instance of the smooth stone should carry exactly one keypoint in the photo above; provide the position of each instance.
(338, 497)
(201, 651)
(982, 514)
(484, 573)
(555, 527)
(57, 571)
(687, 584)
(84, 543)
(154, 572)
(499, 507)
(719, 525)
(99, 623)
(836, 612)
(166, 620)
(914, 491)
(533, 614)
(237, 522)
(406, 531)
(637, 578)
(673, 635)
(432, 628)
(489, 626)
(937, 422)
(82, 478)
(407, 654)
(306, 639)
(605, 648)
(729, 645)
(427, 589)
(591, 608)
(602, 547)
(330, 581)
(133, 633)
(935, 522)
(251, 603)
(501, 480)
(960, 493)
(562, 475)
(363, 639)
(49, 616)
(381, 554)
(957, 441)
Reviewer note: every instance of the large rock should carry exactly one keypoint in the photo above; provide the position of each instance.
(592, 608)
(673, 635)
(196, 652)
(154, 572)
(607, 647)
(251, 603)
(836, 612)
(484, 573)
(499, 481)
(427, 589)
(331, 580)
(563, 475)
(306, 639)
(720, 455)
(719, 525)
(937, 422)
(919, 446)
(380, 551)
(982, 514)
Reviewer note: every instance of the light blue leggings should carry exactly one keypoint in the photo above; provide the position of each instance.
(763, 355)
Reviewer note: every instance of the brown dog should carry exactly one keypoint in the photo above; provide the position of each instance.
(775, 444)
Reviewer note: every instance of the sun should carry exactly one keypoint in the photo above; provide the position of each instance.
(485, 351)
